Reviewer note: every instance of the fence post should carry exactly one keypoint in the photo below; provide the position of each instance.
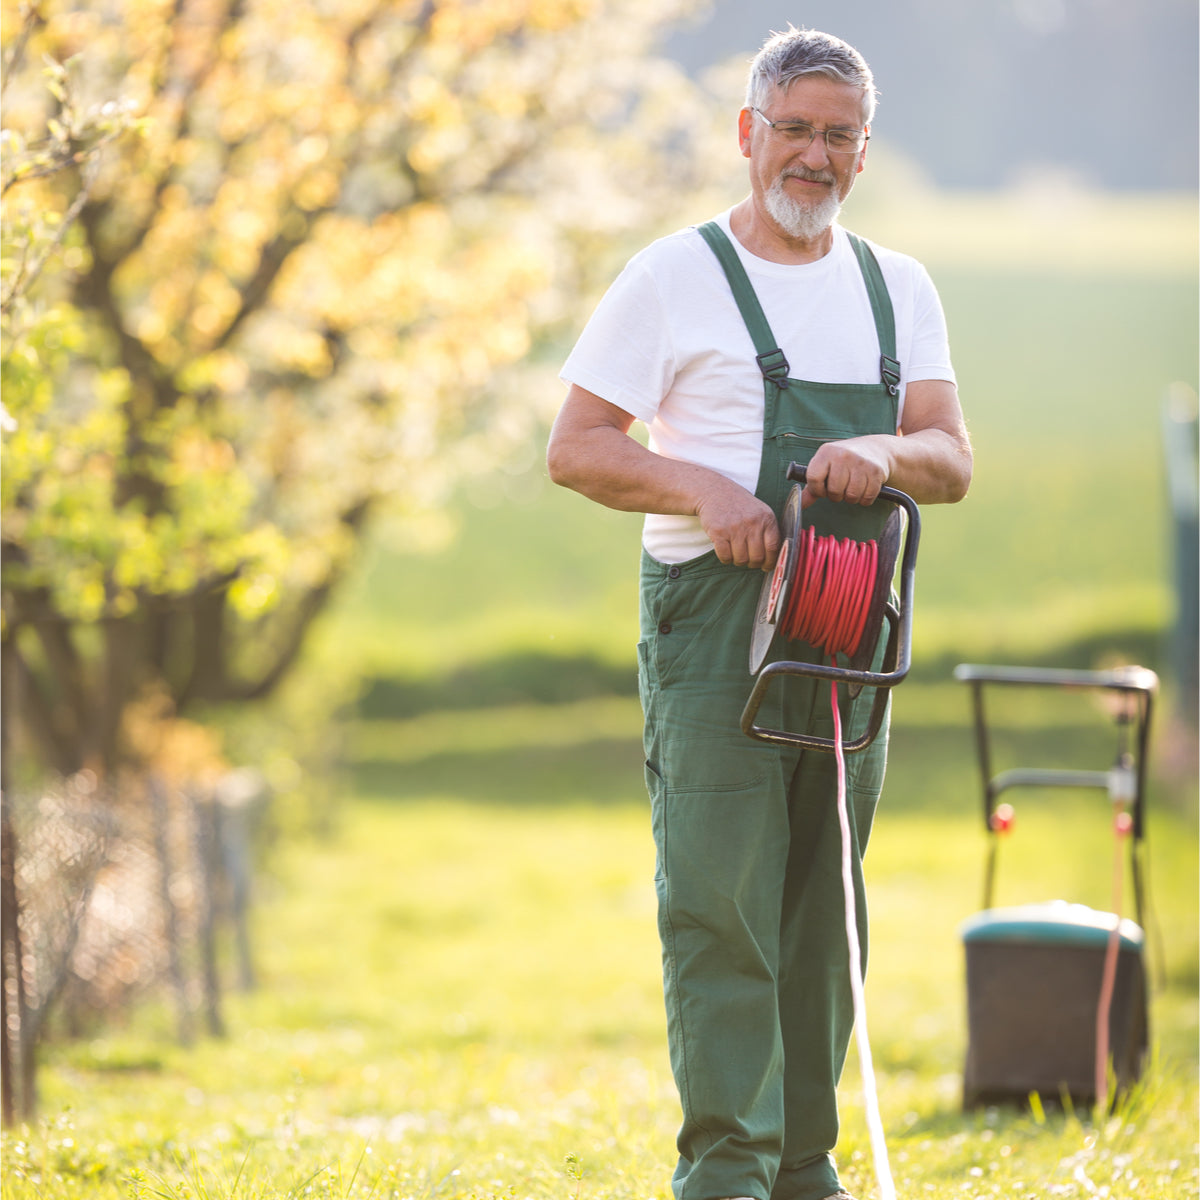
(172, 932)
(240, 797)
(18, 1090)
(206, 814)
(15, 1102)
(1180, 427)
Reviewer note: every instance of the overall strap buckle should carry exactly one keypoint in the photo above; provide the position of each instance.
(774, 366)
(889, 372)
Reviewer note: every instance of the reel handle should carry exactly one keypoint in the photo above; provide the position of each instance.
(799, 474)
(897, 657)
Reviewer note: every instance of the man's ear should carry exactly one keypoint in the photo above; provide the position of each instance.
(862, 154)
(745, 121)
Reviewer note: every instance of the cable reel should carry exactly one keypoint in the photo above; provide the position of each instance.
(843, 608)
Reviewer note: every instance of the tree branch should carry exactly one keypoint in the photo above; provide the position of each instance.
(271, 260)
(31, 19)
(95, 291)
(27, 277)
(309, 607)
(173, 86)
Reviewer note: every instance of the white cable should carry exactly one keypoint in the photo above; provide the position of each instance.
(883, 1170)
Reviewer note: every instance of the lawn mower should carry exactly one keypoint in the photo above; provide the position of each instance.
(1056, 991)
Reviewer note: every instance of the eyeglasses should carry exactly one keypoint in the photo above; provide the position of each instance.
(837, 141)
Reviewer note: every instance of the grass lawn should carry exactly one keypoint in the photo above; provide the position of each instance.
(460, 995)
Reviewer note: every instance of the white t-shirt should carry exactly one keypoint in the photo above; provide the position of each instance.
(668, 345)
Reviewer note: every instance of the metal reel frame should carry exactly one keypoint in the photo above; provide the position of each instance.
(897, 656)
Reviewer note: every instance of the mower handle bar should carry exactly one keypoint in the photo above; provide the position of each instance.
(1138, 682)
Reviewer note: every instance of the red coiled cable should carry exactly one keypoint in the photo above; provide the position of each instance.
(831, 594)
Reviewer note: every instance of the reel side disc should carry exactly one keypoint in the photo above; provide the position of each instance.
(777, 586)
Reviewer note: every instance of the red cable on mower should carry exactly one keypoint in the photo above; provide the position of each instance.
(1122, 828)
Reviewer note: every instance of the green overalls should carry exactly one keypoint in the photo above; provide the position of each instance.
(748, 873)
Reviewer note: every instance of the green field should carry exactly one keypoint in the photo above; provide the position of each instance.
(460, 998)
(460, 994)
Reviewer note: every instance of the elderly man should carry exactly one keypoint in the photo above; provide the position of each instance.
(766, 336)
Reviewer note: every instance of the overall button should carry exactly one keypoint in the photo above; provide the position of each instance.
(665, 627)
(673, 573)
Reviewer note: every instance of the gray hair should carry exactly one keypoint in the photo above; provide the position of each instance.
(785, 57)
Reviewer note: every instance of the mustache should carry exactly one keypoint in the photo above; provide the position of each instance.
(810, 176)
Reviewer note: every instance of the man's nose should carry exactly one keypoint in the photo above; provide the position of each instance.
(816, 153)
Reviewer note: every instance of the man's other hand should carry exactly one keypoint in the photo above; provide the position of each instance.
(743, 529)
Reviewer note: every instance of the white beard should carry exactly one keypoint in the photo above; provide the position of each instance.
(801, 220)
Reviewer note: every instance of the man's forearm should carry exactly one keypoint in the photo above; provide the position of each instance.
(932, 466)
(598, 459)
(608, 466)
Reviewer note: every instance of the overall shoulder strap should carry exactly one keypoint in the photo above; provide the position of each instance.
(771, 360)
(881, 309)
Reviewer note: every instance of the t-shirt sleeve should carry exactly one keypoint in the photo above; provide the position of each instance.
(929, 357)
(624, 354)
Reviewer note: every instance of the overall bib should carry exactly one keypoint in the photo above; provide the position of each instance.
(748, 871)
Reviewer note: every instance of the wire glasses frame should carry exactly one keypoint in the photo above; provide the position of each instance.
(837, 141)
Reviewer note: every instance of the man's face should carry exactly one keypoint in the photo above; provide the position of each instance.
(802, 187)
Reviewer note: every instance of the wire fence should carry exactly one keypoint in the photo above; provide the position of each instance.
(122, 892)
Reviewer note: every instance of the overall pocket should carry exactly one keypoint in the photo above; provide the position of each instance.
(709, 615)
